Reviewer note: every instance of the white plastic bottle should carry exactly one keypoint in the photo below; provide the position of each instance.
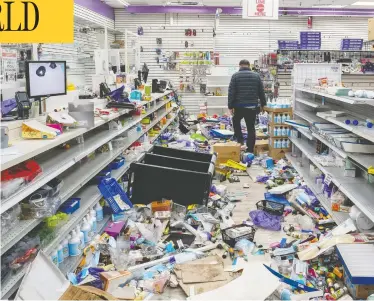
(65, 247)
(284, 118)
(54, 257)
(60, 254)
(276, 131)
(74, 245)
(90, 223)
(284, 131)
(288, 143)
(276, 144)
(94, 221)
(99, 212)
(85, 230)
(284, 143)
(81, 237)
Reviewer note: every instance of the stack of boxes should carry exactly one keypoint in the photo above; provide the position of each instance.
(351, 44)
(310, 40)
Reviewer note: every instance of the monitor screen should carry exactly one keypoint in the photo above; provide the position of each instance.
(46, 78)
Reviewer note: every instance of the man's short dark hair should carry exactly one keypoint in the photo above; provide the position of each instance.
(244, 62)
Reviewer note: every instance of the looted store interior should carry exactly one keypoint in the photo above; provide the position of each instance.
(208, 150)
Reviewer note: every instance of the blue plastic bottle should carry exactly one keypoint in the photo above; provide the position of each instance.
(276, 144)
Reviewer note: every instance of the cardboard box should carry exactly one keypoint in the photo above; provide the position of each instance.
(113, 279)
(278, 154)
(371, 29)
(85, 293)
(227, 151)
(358, 291)
(261, 146)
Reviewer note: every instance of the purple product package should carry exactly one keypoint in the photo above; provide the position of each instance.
(114, 229)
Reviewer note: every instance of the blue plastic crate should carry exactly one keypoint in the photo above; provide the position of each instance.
(114, 195)
(117, 163)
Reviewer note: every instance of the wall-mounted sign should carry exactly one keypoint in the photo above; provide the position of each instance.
(260, 9)
(9, 65)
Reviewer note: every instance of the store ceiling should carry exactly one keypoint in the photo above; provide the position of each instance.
(282, 3)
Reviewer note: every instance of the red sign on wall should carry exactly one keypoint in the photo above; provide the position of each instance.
(260, 9)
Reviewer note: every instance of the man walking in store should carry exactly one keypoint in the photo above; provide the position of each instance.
(246, 99)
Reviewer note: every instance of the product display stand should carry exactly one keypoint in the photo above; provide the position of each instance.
(278, 130)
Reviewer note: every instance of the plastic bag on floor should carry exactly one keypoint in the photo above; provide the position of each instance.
(265, 220)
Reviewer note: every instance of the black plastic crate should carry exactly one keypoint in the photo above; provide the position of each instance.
(271, 207)
(231, 241)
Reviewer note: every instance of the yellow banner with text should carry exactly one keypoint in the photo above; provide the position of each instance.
(36, 21)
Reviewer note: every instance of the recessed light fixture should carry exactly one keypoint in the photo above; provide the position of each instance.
(362, 3)
(123, 2)
(329, 6)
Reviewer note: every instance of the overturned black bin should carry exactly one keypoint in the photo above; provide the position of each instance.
(183, 154)
(182, 176)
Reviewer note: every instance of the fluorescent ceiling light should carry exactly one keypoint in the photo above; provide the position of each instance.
(123, 2)
(329, 6)
(185, 3)
(361, 3)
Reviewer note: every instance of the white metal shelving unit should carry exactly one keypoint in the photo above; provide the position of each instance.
(89, 195)
(356, 189)
(303, 171)
(74, 178)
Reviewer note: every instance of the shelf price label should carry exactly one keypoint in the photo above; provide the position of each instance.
(328, 179)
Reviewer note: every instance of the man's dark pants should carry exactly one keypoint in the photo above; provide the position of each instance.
(249, 116)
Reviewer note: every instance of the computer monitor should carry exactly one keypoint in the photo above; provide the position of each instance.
(46, 78)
